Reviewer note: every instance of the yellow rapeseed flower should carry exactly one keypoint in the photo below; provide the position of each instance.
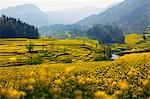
(123, 85)
(31, 81)
(70, 69)
(58, 81)
(30, 87)
(133, 72)
(110, 97)
(81, 80)
(49, 74)
(79, 97)
(146, 82)
(22, 93)
(13, 59)
(56, 90)
(78, 94)
(117, 92)
(13, 94)
(100, 95)
(31, 73)
(2, 90)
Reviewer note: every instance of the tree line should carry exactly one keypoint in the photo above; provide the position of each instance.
(14, 28)
(109, 33)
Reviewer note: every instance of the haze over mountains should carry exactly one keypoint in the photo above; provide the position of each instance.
(74, 15)
(29, 13)
(33, 15)
(131, 15)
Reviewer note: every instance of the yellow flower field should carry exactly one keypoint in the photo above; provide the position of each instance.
(126, 77)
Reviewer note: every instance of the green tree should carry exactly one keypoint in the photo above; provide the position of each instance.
(30, 47)
(14, 28)
(144, 37)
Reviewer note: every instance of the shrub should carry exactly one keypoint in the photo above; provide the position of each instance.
(34, 61)
(30, 47)
(65, 50)
(68, 60)
(99, 57)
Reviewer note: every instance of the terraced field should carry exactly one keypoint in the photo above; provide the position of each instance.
(51, 51)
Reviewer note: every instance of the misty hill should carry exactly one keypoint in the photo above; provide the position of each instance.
(71, 15)
(31, 14)
(74, 15)
(130, 15)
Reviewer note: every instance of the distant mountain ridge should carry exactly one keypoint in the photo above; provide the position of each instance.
(130, 15)
(31, 14)
(74, 15)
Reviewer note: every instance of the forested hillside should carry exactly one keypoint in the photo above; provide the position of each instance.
(14, 28)
(132, 16)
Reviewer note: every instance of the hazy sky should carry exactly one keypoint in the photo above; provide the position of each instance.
(53, 5)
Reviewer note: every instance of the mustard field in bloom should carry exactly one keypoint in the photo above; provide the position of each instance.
(71, 69)
(134, 43)
(13, 52)
(133, 38)
(126, 77)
